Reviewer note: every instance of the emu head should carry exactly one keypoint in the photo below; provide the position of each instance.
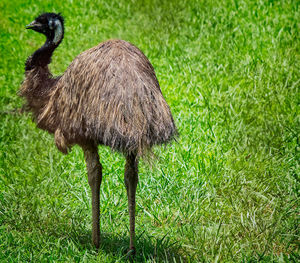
(49, 24)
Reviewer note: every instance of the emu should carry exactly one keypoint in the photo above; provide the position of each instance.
(109, 95)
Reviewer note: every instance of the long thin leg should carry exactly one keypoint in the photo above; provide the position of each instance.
(131, 180)
(94, 169)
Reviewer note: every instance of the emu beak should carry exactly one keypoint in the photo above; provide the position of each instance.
(33, 25)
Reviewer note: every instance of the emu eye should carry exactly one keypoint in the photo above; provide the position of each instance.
(51, 24)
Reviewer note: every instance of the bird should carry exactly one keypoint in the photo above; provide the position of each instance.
(109, 95)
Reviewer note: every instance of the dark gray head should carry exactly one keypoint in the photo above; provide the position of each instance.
(49, 24)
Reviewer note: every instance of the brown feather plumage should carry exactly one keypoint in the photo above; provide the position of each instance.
(108, 95)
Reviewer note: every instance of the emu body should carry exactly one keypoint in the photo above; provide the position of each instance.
(109, 95)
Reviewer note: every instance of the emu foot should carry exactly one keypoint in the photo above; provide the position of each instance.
(131, 253)
(96, 242)
(96, 238)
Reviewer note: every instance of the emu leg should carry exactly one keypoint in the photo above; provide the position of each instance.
(94, 169)
(131, 180)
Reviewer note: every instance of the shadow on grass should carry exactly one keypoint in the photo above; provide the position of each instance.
(148, 247)
(43, 230)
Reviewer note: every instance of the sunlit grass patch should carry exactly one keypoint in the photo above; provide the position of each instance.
(227, 191)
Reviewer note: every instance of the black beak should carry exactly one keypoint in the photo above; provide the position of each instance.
(33, 25)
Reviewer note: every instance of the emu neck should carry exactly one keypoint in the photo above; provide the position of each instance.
(41, 57)
(38, 81)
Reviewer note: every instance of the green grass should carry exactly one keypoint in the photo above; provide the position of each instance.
(228, 191)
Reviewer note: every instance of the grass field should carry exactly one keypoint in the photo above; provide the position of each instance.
(227, 191)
